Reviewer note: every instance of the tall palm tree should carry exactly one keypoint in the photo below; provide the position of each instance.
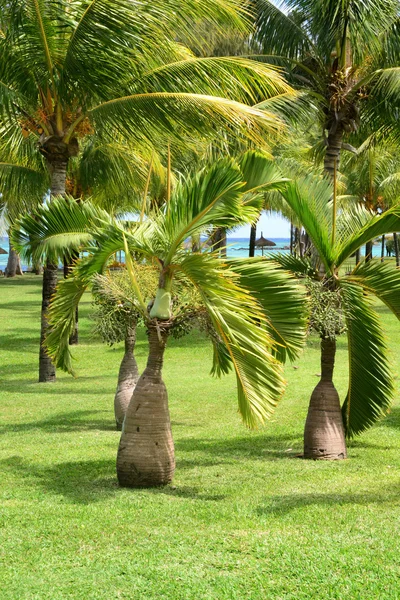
(342, 54)
(69, 69)
(256, 311)
(335, 236)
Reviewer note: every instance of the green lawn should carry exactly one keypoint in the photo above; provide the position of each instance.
(244, 519)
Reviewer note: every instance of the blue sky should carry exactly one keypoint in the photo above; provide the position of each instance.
(272, 226)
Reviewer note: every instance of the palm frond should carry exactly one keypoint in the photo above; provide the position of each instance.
(378, 225)
(371, 385)
(61, 319)
(56, 230)
(279, 32)
(309, 199)
(212, 197)
(299, 267)
(180, 116)
(283, 301)
(236, 78)
(381, 280)
(239, 321)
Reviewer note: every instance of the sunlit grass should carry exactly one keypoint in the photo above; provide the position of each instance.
(244, 517)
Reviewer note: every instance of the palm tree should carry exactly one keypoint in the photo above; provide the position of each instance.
(335, 237)
(71, 69)
(338, 52)
(256, 312)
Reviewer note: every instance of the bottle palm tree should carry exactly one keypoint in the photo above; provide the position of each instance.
(343, 54)
(69, 69)
(335, 238)
(255, 310)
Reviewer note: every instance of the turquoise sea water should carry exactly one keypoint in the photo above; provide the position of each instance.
(237, 247)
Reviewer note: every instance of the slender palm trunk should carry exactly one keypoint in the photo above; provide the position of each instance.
(13, 267)
(332, 153)
(127, 377)
(396, 249)
(219, 240)
(252, 241)
(74, 337)
(324, 432)
(383, 249)
(146, 456)
(358, 256)
(47, 371)
(368, 251)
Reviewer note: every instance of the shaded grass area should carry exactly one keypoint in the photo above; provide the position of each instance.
(244, 518)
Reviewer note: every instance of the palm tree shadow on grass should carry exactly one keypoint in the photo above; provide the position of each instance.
(88, 482)
(78, 420)
(281, 505)
(259, 447)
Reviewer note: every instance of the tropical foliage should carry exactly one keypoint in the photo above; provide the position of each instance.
(335, 236)
(257, 313)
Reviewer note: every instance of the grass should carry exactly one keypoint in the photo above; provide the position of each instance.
(244, 519)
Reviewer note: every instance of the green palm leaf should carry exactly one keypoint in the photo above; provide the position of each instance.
(380, 279)
(237, 78)
(283, 301)
(377, 225)
(61, 318)
(56, 230)
(371, 386)
(309, 198)
(179, 116)
(238, 320)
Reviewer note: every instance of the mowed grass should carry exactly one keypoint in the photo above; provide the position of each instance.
(244, 518)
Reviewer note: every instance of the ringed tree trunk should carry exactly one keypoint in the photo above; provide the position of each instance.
(333, 148)
(219, 240)
(57, 154)
(324, 436)
(127, 377)
(13, 267)
(146, 456)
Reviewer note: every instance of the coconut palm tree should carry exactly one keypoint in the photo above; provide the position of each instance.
(343, 54)
(71, 69)
(335, 236)
(256, 312)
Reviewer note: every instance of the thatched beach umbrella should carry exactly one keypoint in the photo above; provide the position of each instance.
(2, 251)
(262, 243)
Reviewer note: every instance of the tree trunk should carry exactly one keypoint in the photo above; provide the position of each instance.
(74, 337)
(252, 242)
(37, 268)
(368, 251)
(358, 256)
(324, 432)
(332, 153)
(396, 249)
(47, 371)
(291, 238)
(219, 240)
(383, 248)
(127, 378)
(13, 267)
(146, 456)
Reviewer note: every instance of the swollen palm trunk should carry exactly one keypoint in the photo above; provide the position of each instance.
(127, 378)
(146, 456)
(324, 432)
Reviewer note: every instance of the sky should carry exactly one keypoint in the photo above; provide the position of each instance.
(271, 225)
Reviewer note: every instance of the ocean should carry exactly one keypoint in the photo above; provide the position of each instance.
(236, 247)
